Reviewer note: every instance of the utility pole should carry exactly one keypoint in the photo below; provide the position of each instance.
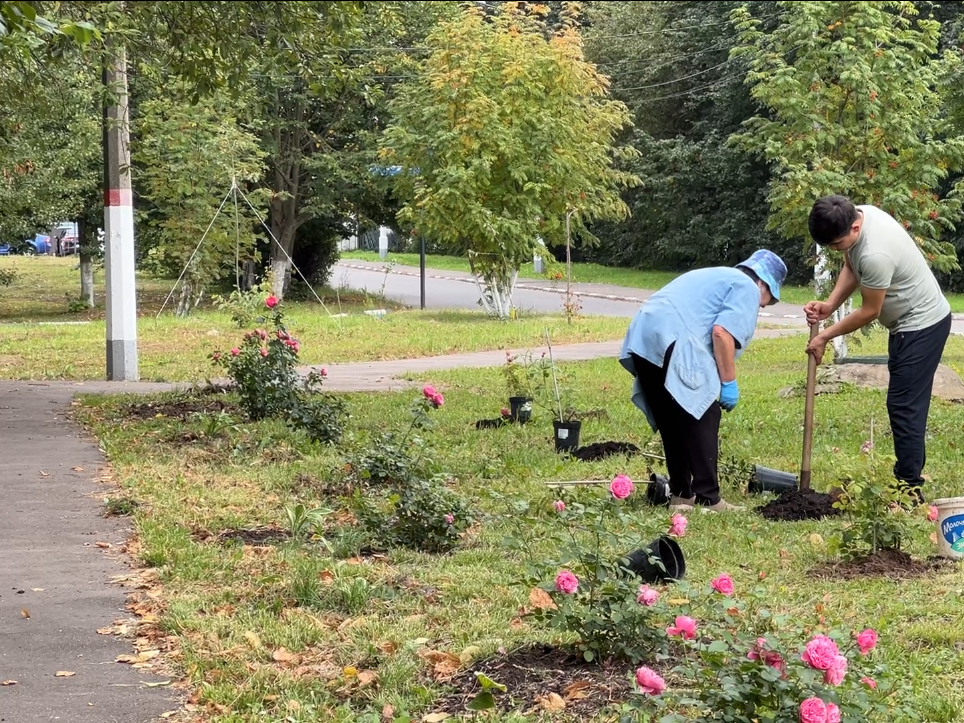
(119, 223)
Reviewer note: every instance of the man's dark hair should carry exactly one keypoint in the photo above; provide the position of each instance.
(831, 218)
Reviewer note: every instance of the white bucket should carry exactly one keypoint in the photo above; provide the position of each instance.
(950, 527)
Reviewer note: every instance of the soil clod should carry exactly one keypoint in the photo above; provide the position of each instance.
(601, 450)
(794, 505)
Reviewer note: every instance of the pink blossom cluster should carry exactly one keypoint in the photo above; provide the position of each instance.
(433, 396)
(814, 710)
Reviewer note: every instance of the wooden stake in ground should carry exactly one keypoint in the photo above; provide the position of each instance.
(808, 414)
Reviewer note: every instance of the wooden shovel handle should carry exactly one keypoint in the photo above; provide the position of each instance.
(808, 414)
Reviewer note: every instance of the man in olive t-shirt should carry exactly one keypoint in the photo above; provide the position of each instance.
(898, 290)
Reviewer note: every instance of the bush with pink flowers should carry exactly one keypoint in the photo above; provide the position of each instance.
(737, 661)
(405, 500)
(264, 371)
(611, 612)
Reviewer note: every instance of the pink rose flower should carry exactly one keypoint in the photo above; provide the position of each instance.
(264, 352)
(235, 351)
(866, 447)
(649, 681)
(505, 412)
(559, 505)
(869, 682)
(437, 400)
(837, 671)
(677, 527)
(685, 627)
(813, 710)
(833, 713)
(647, 596)
(754, 653)
(867, 641)
(932, 513)
(621, 487)
(271, 302)
(449, 519)
(820, 653)
(567, 582)
(262, 335)
(216, 356)
(324, 372)
(429, 391)
(723, 584)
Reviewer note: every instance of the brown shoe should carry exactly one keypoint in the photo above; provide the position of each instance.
(722, 506)
(682, 503)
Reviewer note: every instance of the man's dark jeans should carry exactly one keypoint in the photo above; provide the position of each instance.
(913, 360)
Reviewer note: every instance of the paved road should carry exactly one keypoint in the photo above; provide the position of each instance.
(458, 290)
(51, 517)
(454, 289)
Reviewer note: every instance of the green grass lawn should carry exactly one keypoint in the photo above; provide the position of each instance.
(596, 274)
(294, 632)
(36, 343)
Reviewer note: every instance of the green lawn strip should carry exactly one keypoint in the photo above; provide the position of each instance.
(598, 274)
(315, 606)
(176, 349)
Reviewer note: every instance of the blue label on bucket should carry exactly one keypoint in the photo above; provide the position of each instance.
(953, 530)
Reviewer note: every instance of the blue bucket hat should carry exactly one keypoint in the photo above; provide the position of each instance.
(769, 268)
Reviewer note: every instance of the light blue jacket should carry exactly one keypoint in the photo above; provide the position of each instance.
(684, 313)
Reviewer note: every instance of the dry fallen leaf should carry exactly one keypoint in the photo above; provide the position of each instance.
(326, 576)
(25, 613)
(105, 631)
(284, 656)
(388, 647)
(43, 474)
(77, 469)
(8, 682)
(540, 599)
(64, 674)
(444, 665)
(576, 690)
(103, 545)
(253, 639)
(156, 685)
(367, 677)
(469, 654)
(552, 702)
(388, 713)
(435, 718)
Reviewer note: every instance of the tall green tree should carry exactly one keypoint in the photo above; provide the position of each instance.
(500, 136)
(854, 99)
(189, 156)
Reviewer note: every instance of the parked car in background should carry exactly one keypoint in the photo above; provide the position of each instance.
(38, 245)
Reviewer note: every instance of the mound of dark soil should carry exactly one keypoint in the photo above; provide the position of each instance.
(534, 676)
(601, 450)
(794, 505)
(893, 564)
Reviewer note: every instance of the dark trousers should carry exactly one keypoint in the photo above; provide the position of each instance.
(692, 446)
(913, 357)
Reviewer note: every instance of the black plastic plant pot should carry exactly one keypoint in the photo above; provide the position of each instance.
(520, 409)
(566, 434)
(771, 480)
(661, 561)
(657, 491)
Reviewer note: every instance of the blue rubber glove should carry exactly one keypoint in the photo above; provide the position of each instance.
(729, 395)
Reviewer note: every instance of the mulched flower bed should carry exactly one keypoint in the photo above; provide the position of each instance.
(794, 505)
(533, 674)
(601, 450)
(180, 409)
(893, 564)
(255, 537)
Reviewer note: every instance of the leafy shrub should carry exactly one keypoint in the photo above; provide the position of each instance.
(245, 307)
(8, 276)
(421, 512)
(264, 371)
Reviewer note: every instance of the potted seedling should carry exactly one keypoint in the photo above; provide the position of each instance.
(518, 380)
(566, 426)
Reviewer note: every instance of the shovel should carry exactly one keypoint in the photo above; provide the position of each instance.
(772, 480)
